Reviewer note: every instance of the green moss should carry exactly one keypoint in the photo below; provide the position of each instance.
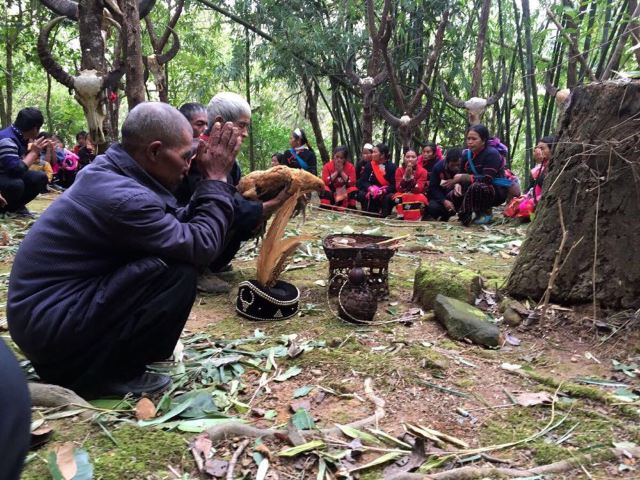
(140, 452)
(588, 433)
(445, 279)
(427, 357)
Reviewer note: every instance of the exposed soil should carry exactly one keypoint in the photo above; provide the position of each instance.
(424, 377)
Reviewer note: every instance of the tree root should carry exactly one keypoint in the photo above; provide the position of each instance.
(235, 458)
(372, 419)
(577, 390)
(470, 473)
(52, 396)
(237, 429)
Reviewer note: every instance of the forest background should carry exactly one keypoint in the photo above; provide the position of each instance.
(291, 60)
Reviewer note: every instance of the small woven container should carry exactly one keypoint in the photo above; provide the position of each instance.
(357, 250)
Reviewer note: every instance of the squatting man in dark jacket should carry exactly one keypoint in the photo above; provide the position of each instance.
(104, 281)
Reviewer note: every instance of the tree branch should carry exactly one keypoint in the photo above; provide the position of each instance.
(573, 47)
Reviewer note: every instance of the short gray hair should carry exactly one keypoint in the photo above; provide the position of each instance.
(151, 121)
(230, 106)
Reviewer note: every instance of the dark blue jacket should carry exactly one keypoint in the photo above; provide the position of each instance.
(13, 148)
(435, 191)
(98, 243)
(489, 165)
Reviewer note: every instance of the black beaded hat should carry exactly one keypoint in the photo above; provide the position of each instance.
(276, 303)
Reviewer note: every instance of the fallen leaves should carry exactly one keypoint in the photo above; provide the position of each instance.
(529, 399)
(68, 462)
(145, 409)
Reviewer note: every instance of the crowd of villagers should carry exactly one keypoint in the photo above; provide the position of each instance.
(430, 184)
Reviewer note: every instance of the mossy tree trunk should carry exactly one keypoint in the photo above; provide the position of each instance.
(595, 176)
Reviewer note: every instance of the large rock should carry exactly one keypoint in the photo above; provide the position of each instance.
(445, 279)
(464, 321)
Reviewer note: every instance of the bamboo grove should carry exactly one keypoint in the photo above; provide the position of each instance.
(389, 70)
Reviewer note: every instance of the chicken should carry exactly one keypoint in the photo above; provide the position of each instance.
(266, 184)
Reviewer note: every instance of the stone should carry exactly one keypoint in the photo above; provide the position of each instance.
(511, 317)
(464, 321)
(441, 278)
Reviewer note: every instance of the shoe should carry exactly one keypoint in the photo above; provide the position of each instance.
(213, 284)
(145, 384)
(23, 212)
(483, 219)
(465, 219)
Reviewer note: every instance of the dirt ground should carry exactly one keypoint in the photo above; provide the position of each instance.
(424, 377)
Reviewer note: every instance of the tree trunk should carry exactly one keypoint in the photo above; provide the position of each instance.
(247, 84)
(132, 33)
(531, 69)
(312, 113)
(48, 104)
(476, 81)
(572, 66)
(593, 174)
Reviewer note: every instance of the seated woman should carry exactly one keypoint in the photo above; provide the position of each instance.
(377, 184)
(339, 177)
(483, 185)
(367, 151)
(411, 180)
(431, 154)
(524, 206)
(300, 155)
(441, 207)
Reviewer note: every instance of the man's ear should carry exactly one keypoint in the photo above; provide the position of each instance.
(153, 149)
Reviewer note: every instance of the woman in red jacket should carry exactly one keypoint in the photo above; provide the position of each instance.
(411, 181)
(339, 176)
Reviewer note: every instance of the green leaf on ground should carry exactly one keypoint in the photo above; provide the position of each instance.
(291, 372)
(305, 447)
(302, 391)
(355, 433)
(302, 420)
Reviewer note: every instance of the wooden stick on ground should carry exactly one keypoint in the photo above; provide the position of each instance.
(470, 473)
(556, 266)
(50, 396)
(231, 429)
(235, 458)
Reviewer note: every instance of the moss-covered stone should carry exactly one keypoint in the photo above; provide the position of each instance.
(464, 321)
(445, 279)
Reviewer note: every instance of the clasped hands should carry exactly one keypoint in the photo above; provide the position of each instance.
(216, 156)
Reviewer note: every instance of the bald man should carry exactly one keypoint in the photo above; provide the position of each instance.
(104, 281)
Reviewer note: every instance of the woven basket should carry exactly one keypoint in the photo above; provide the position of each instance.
(361, 251)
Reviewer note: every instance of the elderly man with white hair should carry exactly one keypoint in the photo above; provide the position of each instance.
(104, 281)
(249, 215)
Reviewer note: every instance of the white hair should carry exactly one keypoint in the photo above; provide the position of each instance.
(229, 106)
(151, 121)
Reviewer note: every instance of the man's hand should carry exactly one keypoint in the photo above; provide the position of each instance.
(270, 206)
(457, 190)
(216, 157)
(3, 201)
(448, 204)
(40, 144)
